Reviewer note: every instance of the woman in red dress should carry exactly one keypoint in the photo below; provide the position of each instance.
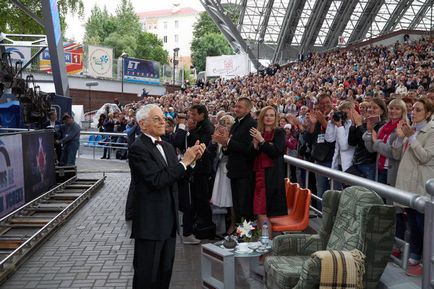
(269, 147)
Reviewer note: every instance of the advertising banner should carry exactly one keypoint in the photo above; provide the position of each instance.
(22, 54)
(141, 71)
(227, 66)
(74, 53)
(11, 174)
(100, 61)
(38, 155)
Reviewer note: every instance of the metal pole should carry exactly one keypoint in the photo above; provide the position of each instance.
(428, 241)
(173, 74)
(90, 107)
(122, 79)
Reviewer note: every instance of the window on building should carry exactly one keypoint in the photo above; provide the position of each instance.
(155, 26)
(176, 37)
(165, 25)
(176, 24)
(165, 39)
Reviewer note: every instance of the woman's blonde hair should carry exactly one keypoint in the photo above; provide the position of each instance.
(399, 103)
(261, 116)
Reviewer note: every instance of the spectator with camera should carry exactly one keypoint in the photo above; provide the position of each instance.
(337, 131)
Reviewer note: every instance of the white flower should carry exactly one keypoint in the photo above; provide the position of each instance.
(245, 229)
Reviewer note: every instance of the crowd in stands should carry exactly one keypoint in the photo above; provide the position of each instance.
(365, 111)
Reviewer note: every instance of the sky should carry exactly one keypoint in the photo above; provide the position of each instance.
(75, 28)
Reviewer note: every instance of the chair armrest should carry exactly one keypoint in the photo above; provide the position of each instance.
(296, 245)
(310, 274)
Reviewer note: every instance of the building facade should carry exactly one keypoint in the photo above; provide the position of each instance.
(175, 29)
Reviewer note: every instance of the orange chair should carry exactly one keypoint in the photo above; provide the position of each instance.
(291, 194)
(298, 218)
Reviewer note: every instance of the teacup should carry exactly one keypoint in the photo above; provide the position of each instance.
(243, 247)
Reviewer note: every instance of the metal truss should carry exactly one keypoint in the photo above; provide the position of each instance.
(279, 26)
(396, 16)
(339, 23)
(366, 20)
(424, 10)
(225, 25)
(292, 17)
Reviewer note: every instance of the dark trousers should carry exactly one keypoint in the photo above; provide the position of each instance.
(186, 206)
(242, 198)
(153, 263)
(200, 193)
(129, 207)
(416, 223)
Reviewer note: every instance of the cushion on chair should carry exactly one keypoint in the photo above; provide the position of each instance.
(347, 230)
(283, 272)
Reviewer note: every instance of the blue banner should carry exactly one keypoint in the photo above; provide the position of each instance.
(141, 71)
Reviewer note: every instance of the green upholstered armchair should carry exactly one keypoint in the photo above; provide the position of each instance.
(355, 218)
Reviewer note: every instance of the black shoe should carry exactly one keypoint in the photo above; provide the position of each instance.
(103, 158)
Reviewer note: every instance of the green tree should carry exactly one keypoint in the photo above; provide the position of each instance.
(150, 47)
(123, 33)
(204, 25)
(126, 19)
(99, 26)
(211, 44)
(14, 20)
(202, 44)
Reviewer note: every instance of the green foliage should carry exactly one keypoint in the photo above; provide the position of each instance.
(211, 44)
(14, 20)
(207, 41)
(99, 26)
(123, 33)
(204, 25)
(150, 47)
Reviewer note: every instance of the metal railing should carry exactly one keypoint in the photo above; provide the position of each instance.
(103, 143)
(420, 203)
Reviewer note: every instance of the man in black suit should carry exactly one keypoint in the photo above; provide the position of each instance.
(202, 172)
(236, 144)
(156, 171)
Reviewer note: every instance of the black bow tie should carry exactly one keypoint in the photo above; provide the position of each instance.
(158, 142)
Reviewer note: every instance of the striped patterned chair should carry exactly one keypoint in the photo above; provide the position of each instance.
(355, 218)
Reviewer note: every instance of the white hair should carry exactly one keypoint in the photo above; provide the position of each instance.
(143, 112)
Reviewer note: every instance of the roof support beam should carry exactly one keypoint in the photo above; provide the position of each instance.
(243, 7)
(264, 24)
(420, 14)
(225, 25)
(366, 20)
(396, 15)
(314, 24)
(340, 22)
(290, 21)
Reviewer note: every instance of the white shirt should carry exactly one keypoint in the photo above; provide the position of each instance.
(160, 148)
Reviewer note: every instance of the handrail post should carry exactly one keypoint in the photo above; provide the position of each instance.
(428, 240)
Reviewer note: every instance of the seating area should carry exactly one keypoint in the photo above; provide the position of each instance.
(360, 221)
(298, 203)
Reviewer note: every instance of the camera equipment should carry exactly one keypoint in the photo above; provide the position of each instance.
(339, 115)
(34, 103)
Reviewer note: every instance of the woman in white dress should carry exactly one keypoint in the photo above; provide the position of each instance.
(221, 193)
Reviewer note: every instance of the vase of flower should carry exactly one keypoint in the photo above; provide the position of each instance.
(247, 232)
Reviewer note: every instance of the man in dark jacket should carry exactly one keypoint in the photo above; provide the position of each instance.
(155, 170)
(202, 172)
(70, 140)
(236, 144)
(322, 151)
